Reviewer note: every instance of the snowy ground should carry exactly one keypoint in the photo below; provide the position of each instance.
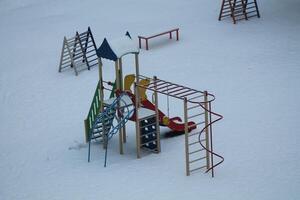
(252, 68)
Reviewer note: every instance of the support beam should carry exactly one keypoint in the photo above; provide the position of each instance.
(186, 132)
(157, 116)
(206, 130)
(137, 122)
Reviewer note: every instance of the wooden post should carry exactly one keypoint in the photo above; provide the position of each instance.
(206, 130)
(137, 68)
(157, 115)
(101, 84)
(211, 143)
(118, 87)
(62, 54)
(147, 47)
(137, 121)
(140, 42)
(221, 10)
(71, 57)
(257, 11)
(186, 131)
(122, 88)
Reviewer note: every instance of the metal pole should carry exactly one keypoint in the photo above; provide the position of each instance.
(137, 70)
(137, 121)
(206, 130)
(211, 142)
(101, 84)
(118, 88)
(122, 88)
(157, 115)
(187, 160)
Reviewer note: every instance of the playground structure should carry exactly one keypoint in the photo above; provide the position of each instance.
(239, 9)
(107, 117)
(78, 52)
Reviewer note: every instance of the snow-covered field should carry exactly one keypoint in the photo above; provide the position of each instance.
(253, 68)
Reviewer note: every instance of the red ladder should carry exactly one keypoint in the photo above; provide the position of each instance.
(239, 9)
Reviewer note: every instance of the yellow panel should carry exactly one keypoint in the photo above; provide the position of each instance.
(142, 91)
(128, 81)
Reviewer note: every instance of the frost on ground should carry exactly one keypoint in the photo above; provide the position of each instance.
(252, 68)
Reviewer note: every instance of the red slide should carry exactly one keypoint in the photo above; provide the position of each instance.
(174, 123)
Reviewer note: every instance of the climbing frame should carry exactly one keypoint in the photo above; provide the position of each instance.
(197, 107)
(79, 52)
(238, 9)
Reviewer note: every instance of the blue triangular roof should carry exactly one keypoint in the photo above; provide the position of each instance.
(105, 51)
(117, 48)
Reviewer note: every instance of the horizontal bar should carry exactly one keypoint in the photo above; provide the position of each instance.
(91, 56)
(190, 117)
(195, 97)
(187, 90)
(156, 85)
(92, 50)
(251, 11)
(248, 8)
(179, 88)
(197, 159)
(199, 150)
(150, 150)
(153, 82)
(164, 33)
(252, 16)
(196, 106)
(93, 60)
(153, 132)
(155, 140)
(196, 124)
(148, 125)
(188, 94)
(171, 88)
(83, 33)
(192, 170)
(196, 133)
(197, 142)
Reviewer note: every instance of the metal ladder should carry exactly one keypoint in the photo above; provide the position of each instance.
(110, 121)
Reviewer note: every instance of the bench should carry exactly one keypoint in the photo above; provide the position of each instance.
(153, 36)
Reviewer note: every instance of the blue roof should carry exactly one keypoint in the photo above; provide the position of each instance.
(117, 48)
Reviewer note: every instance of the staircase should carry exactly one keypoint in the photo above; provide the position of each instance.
(110, 121)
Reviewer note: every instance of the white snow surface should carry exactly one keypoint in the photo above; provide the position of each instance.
(252, 68)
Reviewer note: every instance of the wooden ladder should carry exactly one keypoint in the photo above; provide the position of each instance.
(79, 52)
(239, 9)
(195, 152)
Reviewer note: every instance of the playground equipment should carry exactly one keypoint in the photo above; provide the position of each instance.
(107, 116)
(146, 38)
(239, 9)
(78, 52)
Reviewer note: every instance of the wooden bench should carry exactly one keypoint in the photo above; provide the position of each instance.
(153, 36)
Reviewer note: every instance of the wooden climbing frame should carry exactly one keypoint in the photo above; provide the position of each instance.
(238, 9)
(79, 52)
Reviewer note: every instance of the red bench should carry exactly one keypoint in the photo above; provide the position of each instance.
(153, 36)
